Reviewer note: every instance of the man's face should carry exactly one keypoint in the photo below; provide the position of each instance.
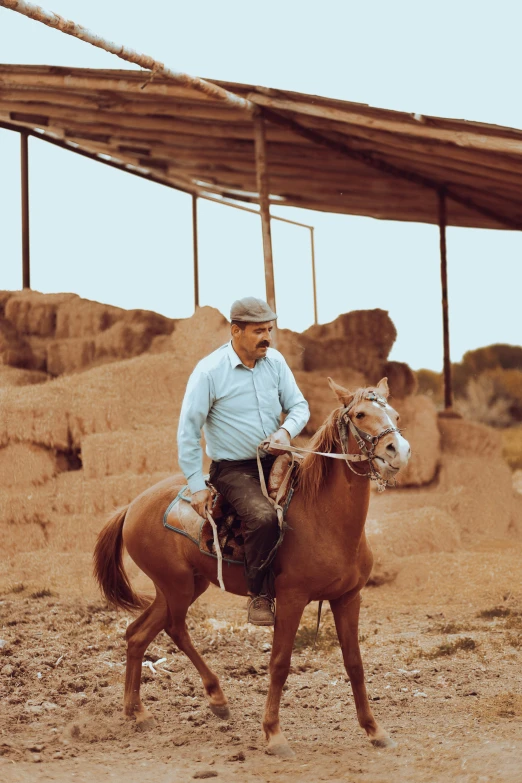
(254, 339)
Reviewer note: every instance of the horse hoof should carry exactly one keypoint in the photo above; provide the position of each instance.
(383, 742)
(221, 711)
(281, 749)
(146, 725)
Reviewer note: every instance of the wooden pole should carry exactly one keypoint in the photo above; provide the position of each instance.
(195, 248)
(448, 391)
(24, 171)
(264, 207)
(57, 22)
(314, 282)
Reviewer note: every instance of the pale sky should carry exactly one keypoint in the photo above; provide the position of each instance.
(112, 237)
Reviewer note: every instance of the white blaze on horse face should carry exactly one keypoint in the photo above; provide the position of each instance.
(398, 457)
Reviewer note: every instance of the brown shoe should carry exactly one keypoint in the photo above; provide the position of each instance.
(261, 610)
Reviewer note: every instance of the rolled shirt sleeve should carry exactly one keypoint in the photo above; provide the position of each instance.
(292, 401)
(194, 411)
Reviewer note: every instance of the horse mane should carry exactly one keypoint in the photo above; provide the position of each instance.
(314, 469)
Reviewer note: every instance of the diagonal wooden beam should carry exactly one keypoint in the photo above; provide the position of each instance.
(57, 22)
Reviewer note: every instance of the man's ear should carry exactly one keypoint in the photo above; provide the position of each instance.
(343, 395)
(382, 388)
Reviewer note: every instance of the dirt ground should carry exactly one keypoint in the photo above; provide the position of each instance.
(442, 647)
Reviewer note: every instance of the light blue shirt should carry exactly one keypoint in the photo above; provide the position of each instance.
(237, 407)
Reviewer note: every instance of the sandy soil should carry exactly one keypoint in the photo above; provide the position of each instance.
(442, 647)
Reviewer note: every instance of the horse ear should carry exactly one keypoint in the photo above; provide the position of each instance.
(342, 394)
(383, 388)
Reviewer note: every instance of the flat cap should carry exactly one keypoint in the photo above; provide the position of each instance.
(251, 310)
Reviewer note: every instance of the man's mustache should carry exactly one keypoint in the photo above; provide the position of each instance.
(264, 344)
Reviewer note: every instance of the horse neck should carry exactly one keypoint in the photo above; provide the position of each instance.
(353, 492)
(342, 504)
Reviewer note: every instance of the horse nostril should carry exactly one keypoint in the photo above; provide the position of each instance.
(391, 448)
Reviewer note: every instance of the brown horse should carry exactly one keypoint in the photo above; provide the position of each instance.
(324, 555)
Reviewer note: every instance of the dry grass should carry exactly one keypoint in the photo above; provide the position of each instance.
(450, 648)
(305, 638)
(43, 593)
(496, 611)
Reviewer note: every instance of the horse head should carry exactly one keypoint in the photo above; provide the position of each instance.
(367, 419)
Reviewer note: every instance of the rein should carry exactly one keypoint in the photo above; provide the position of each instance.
(366, 443)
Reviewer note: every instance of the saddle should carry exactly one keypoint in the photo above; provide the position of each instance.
(181, 517)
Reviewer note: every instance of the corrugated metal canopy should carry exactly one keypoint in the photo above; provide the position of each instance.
(323, 154)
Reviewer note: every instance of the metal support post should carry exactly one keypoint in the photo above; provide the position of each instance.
(264, 207)
(195, 249)
(314, 282)
(448, 391)
(24, 169)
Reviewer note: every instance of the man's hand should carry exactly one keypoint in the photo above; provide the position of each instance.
(281, 437)
(201, 502)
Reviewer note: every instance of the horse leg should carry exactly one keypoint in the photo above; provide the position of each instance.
(139, 635)
(288, 616)
(176, 628)
(346, 615)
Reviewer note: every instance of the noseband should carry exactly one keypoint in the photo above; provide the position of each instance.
(367, 443)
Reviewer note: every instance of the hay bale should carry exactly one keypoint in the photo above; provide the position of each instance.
(84, 318)
(74, 532)
(39, 346)
(34, 313)
(289, 344)
(26, 504)
(32, 536)
(425, 529)
(479, 493)
(361, 340)
(146, 390)
(72, 493)
(401, 380)
(14, 350)
(195, 337)
(162, 343)
(26, 464)
(65, 356)
(421, 429)
(138, 451)
(156, 323)
(463, 437)
(123, 340)
(36, 414)
(4, 298)
(320, 398)
(14, 376)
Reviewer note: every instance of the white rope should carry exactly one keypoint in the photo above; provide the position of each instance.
(352, 457)
(218, 550)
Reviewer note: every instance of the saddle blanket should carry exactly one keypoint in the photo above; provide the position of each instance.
(181, 518)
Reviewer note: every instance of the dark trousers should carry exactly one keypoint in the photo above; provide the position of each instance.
(238, 482)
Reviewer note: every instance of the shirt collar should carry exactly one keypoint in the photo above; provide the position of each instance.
(232, 355)
(235, 361)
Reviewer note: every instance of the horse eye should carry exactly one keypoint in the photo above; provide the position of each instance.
(359, 415)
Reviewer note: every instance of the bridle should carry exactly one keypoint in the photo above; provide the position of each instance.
(367, 443)
(364, 440)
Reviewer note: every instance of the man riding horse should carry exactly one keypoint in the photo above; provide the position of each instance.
(236, 395)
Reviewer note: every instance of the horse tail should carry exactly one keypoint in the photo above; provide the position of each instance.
(108, 565)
